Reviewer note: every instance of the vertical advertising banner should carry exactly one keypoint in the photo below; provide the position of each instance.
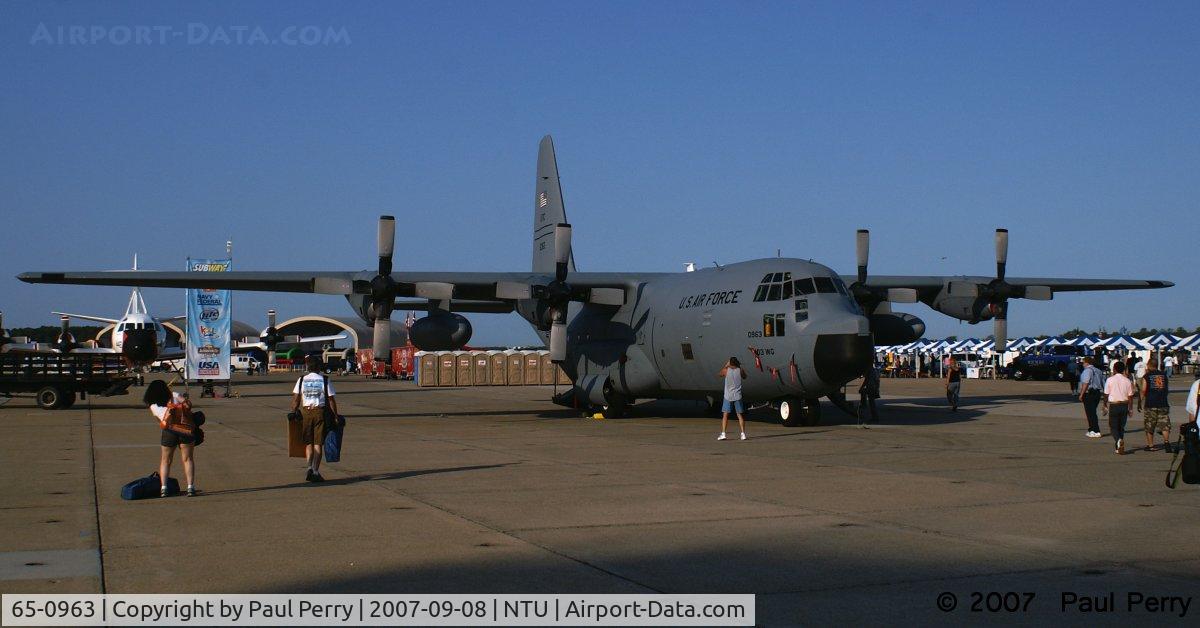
(209, 317)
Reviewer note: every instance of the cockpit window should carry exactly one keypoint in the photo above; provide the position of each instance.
(841, 286)
(775, 287)
(804, 286)
(824, 285)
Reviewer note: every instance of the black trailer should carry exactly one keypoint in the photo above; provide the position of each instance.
(58, 379)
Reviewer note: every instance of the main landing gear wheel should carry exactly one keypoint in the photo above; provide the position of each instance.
(618, 407)
(794, 412)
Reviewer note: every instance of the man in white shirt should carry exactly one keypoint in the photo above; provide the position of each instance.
(1169, 365)
(1118, 403)
(312, 395)
(1192, 401)
(733, 374)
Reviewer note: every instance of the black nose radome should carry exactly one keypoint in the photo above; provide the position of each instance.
(140, 346)
(840, 358)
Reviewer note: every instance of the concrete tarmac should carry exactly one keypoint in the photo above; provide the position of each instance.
(496, 490)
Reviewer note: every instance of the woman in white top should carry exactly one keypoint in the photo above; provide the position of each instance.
(157, 396)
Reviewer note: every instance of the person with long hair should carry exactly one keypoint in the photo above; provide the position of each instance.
(162, 402)
(733, 374)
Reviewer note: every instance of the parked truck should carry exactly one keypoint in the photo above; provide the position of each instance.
(1059, 362)
(58, 379)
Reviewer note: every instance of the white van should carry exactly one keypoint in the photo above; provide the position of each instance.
(241, 361)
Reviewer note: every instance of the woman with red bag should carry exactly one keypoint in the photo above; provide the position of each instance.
(180, 428)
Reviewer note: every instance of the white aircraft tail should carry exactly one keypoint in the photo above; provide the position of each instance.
(136, 304)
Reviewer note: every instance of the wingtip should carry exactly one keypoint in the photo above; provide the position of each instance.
(1154, 283)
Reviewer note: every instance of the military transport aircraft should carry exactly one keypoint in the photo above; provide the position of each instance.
(805, 330)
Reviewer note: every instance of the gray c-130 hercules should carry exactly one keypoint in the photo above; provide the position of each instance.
(622, 336)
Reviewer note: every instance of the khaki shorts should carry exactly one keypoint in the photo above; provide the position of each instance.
(1156, 420)
(312, 426)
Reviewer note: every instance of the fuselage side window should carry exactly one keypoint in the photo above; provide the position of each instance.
(773, 325)
(801, 310)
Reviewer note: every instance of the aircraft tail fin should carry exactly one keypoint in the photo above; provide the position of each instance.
(548, 209)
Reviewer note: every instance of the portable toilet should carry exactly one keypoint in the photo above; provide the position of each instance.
(446, 368)
(427, 372)
(560, 376)
(464, 367)
(533, 368)
(482, 364)
(548, 368)
(515, 363)
(498, 366)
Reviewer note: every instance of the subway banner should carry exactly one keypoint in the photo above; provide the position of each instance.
(209, 317)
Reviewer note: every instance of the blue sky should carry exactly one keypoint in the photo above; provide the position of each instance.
(685, 131)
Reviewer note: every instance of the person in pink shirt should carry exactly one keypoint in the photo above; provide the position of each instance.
(1118, 403)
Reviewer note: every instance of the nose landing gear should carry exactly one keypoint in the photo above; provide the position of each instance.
(795, 412)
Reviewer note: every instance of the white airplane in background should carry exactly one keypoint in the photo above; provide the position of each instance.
(138, 336)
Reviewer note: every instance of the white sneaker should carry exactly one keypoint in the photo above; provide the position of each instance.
(722, 436)
(1093, 434)
(743, 436)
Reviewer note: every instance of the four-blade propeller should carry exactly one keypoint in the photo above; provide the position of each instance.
(870, 297)
(383, 290)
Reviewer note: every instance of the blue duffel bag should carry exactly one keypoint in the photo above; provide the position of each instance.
(333, 440)
(147, 487)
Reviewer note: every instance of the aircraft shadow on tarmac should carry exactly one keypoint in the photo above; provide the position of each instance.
(355, 479)
(916, 411)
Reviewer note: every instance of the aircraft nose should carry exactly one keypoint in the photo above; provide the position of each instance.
(839, 358)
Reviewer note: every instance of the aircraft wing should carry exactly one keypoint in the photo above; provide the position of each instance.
(468, 286)
(98, 319)
(171, 353)
(929, 286)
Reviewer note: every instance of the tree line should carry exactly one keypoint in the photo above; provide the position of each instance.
(48, 333)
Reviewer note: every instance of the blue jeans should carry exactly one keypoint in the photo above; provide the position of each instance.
(952, 394)
(737, 406)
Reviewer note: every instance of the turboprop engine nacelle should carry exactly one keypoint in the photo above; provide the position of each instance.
(896, 328)
(440, 332)
(970, 309)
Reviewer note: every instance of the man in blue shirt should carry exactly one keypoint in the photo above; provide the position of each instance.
(1091, 388)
